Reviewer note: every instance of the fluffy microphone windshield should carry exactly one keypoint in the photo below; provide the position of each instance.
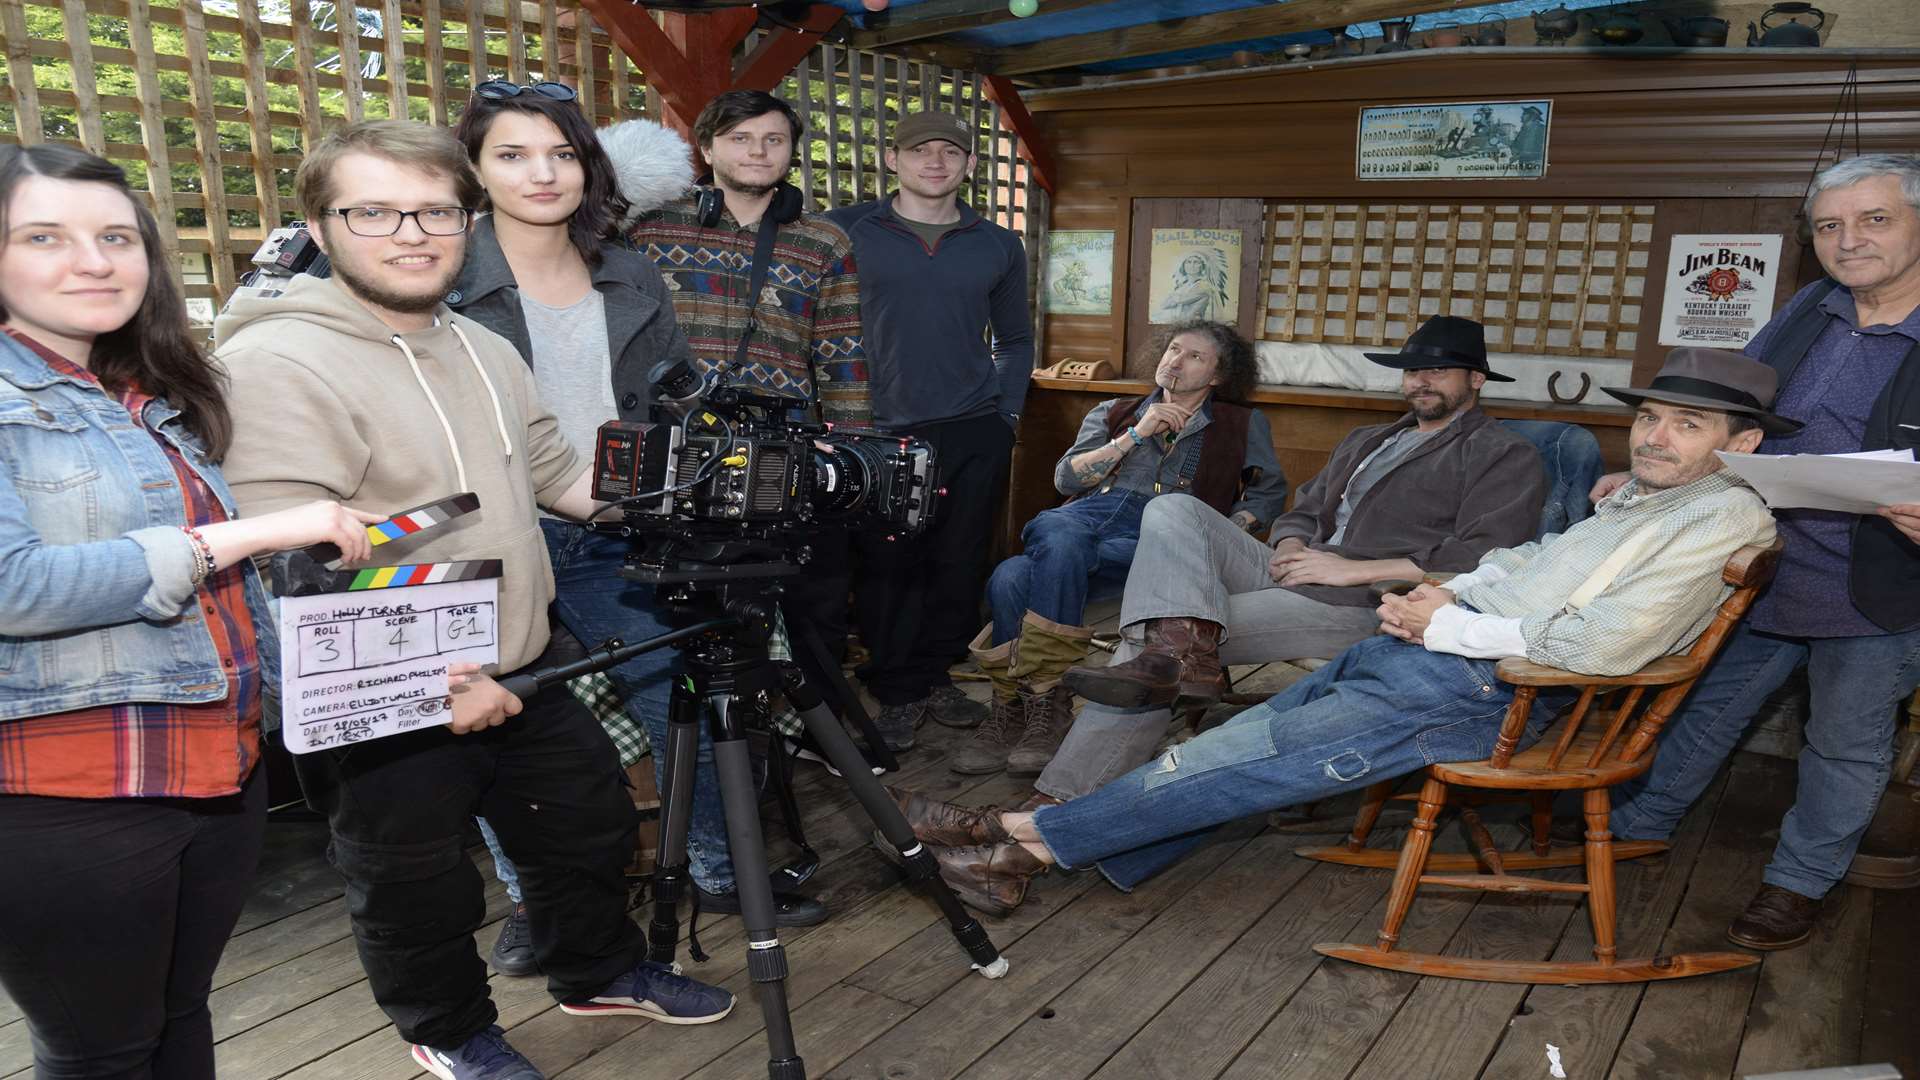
(653, 163)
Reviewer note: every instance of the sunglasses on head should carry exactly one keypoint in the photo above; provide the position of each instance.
(501, 89)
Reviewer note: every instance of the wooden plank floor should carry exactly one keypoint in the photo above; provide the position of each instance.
(1205, 972)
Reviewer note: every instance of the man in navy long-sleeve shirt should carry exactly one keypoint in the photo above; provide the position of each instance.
(943, 306)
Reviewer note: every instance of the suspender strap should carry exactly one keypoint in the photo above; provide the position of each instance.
(1603, 575)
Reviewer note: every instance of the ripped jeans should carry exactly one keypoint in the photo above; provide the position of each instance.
(1381, 709)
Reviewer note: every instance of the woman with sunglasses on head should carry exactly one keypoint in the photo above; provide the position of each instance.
(592, 317)
(134, 634)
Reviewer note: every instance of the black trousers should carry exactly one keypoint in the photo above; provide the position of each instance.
(549, 782)
(918, 602)
(112, 919)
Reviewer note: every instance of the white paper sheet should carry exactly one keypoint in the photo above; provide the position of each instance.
(363, 665)
(1854, 483)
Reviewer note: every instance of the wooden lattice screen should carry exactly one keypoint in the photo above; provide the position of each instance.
(188, 89)
(851, 99)
(1368, 274)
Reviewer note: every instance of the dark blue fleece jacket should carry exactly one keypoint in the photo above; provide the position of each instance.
(927, 315)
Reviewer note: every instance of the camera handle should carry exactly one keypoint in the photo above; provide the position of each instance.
(612, 653)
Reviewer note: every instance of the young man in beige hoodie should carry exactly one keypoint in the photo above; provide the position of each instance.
(365, 388)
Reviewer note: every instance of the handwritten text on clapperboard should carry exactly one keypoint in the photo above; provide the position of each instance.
(363, 665)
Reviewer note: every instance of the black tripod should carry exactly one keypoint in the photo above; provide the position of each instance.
(731, 682)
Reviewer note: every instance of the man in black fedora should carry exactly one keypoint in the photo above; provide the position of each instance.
(1432, 491)
(1423, 690)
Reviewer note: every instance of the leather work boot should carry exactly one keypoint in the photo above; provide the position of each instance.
(1035, 801)
(986, 752)
(947, 825)
(1776, 918)
(991, 877)
(1180, 666)
(1048, 716)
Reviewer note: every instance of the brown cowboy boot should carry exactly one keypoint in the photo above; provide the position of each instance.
(947, 825)
(991, 877)
(1179, 666)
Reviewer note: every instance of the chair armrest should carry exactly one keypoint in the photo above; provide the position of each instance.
(1665, 671)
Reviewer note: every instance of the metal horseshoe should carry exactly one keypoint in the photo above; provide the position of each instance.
(1553, 388)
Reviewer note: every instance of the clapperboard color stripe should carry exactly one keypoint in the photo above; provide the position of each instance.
(421, 517)
(399, 577)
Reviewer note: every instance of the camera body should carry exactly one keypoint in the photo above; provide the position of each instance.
(734, 477)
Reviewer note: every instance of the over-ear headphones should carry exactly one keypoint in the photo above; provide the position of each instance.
(785, 209)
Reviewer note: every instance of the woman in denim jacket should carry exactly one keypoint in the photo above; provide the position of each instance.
(134, 635)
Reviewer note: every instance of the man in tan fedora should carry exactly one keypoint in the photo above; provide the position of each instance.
(1423, 690)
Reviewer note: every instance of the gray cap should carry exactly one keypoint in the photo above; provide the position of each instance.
(916, 128)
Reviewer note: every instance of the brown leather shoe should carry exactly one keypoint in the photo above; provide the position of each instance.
(946, 825)
(991, 877)
(1777, 918)
(1035, 801)
(1180, 665)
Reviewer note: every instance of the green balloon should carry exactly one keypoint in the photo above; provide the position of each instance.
(1023, 8)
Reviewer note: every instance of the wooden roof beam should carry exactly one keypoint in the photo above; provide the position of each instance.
(1002, 92)
(937, 18)
(1197, 31)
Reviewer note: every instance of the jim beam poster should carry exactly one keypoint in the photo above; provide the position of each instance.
(1483, 140)
(1719, 289)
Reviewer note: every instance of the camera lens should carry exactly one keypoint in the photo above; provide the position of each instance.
(844, 477)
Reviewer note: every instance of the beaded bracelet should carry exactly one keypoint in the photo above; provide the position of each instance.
(203, 562)
(1134, 434)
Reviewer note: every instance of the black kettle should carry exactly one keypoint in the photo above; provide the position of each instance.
(1792, 34)
(1695, 31)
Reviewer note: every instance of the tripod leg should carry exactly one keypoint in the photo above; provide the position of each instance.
(921, 867)
(766, 957)
(670, 875)
(801, 632)
(780, 776)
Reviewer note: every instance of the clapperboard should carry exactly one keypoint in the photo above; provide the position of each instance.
(364, 650)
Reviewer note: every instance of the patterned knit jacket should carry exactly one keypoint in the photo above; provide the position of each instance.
(808, 319)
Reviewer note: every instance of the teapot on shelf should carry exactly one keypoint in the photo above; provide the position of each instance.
(1555, 25)
(1493, 32)
(1618, 28)
(1792, 34)
(1697, 31)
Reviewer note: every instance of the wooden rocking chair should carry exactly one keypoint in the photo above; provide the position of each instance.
(1570, 756)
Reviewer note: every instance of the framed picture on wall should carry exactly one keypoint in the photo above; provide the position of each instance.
(1194, 274)
(1483, 140)
(1079, 274)
(1719, 289)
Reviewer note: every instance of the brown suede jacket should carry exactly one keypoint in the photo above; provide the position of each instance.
(1475, 486)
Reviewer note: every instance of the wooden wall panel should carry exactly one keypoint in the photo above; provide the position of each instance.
(1150, 214)
(1710, 125)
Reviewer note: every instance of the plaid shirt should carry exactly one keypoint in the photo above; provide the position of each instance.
(1656, 606)
(136, 750)
(807, 324)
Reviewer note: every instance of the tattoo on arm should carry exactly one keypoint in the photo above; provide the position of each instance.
(1090, 471)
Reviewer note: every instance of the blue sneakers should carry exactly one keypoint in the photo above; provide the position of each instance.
(659, 993)
(486, 1056)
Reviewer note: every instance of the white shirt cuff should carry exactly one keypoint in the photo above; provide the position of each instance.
(1484, 574)
(1456, 630)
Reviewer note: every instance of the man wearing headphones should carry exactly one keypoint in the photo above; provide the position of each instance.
(798, 333)
(803, 329)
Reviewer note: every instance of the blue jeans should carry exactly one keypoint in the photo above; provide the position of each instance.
(1074, 553)
(1857, 685)
(595, 603)
(1381, 709)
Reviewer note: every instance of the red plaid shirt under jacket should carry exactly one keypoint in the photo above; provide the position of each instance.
(138, 749)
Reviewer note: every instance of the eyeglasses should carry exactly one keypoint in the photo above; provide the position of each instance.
(502, 89)
(382, 221)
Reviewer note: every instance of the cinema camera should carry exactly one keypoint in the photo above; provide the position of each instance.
(722, 474)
